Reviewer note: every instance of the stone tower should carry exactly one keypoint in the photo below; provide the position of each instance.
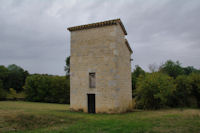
(100, 68)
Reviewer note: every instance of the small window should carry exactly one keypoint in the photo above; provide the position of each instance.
(92, 83)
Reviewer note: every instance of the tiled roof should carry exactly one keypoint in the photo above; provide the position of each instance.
(99, 24)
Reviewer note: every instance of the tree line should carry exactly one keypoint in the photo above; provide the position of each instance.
(169, 85)
(17, 84)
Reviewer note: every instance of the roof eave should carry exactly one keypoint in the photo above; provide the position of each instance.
(128, 46)
(99, 24)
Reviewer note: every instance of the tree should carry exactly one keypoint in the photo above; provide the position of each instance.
(2, 91)
(37, 87)
(47, 88)
(190, 69)
(136, 73)
(15, 78)
(183, 92)
(171, 68)
(154, 91)
(4, 72)
(195, 83)
(67, 67)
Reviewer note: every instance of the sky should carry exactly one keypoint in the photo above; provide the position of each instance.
(33, 33)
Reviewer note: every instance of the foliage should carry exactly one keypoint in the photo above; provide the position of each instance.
(136, 73)
(154, 91)
(190, 69)
(67, 67)
(183, 91)
(195, 83)
(187, 93)
(2, 91)
(13, 77)
(4, 76)
(16, 77)
(45, 88)
(186, 80)
(13, 95)
(171, 68)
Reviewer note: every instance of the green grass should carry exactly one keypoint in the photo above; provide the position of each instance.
(30, 117)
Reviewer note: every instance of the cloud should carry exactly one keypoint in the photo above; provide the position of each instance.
(33, 33)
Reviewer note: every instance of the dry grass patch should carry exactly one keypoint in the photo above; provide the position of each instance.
(30, 121)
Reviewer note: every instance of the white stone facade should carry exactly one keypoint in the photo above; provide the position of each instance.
(100, 48)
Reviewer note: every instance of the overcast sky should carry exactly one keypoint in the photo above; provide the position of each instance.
(33, 33)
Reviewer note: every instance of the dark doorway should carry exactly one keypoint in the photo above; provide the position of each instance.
(91, 103)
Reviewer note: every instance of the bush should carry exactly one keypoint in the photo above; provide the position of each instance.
(13, 95)
(45, 88)
(154, 91)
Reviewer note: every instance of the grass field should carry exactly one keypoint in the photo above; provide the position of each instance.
(23, 117)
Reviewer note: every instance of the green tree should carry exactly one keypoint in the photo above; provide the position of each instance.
(47, 88)
(195, 83)
(154, 91)
(190, 69)
(4, 72)
(183, 92)
(15, 78)
(171, 68)
(60, 88)
(135, 74)
(67, 66)
(2, 91)
(37, 87)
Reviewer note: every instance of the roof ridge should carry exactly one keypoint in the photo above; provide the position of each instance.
(99, 24)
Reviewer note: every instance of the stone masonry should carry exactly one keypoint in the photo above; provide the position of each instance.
(100, 48)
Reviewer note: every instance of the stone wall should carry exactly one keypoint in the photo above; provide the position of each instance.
(101, 50)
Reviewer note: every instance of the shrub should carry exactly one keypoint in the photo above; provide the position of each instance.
(13, 95)
(154, 91)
